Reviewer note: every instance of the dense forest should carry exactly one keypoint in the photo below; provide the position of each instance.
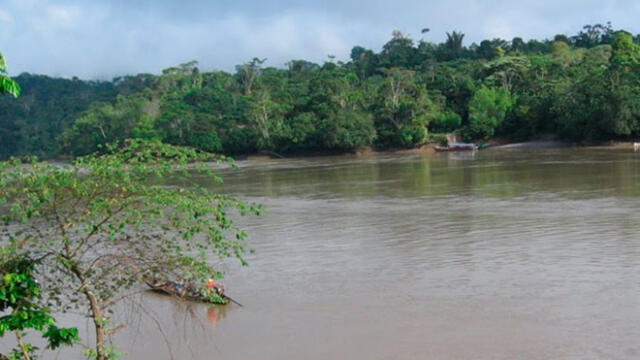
(580, 88)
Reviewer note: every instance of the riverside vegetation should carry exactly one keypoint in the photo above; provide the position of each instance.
(578, 88)
(96, 229)
(84, 236)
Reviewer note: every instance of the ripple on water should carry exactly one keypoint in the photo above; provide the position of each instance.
(497, 255)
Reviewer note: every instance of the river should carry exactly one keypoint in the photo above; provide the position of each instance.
(501, 254)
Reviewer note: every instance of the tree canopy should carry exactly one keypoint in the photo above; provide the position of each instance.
(579, 87)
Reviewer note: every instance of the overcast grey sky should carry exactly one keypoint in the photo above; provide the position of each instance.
(104, 38)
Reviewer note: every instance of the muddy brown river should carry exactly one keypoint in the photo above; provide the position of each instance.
(501, 254)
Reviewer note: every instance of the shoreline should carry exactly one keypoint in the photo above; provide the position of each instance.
(362, 152)
(430, 148)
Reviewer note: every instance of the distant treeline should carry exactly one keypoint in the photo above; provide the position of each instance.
(580, 88)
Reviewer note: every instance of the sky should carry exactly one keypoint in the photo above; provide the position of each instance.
(100, 39)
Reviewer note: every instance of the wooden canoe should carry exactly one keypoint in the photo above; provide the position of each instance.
(168, 288)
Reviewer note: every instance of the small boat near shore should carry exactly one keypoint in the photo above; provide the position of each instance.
(190, 293)
(458, 147)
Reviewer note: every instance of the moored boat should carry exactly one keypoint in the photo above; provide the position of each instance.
(458, 147)
(189, 292)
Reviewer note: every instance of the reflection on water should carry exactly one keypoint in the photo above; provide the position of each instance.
(493, 255)
(215, 314)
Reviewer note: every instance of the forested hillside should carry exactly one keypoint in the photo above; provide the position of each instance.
(584, 87)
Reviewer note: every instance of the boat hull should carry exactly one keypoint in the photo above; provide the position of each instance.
(166, 288)
(457, 147)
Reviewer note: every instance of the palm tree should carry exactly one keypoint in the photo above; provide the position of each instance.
(454, 40)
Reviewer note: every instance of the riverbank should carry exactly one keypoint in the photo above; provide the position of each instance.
(536, 144)
(552, 144)
(430, 148)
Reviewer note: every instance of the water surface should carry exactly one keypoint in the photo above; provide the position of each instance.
(494, 255)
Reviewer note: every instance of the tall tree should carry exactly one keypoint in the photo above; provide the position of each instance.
(249, 73)
(107, 222)
(403, 109)
(454, 40)
(506, 71)
(399, 51)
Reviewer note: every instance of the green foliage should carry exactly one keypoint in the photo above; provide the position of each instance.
(214, 298)
(7, 84)
(580, 87)
(411, 136)
(106, 123)
(487, 111)
(109, 220)
(506, 71)
(446, 121)
(440, 139)
(398, 52)
(593, 35)
(626, 53)
(20, 298)
(349, 129)
(33, 123)
(403, 110)
(600, 101)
